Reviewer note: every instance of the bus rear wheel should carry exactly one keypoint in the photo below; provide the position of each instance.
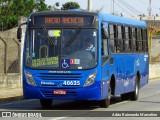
(106, 102)
(45, 103)
(134, 95)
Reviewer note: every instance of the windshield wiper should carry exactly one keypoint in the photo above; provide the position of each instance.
(73, 37)
(49, 38)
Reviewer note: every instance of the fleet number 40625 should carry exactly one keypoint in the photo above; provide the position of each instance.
(69, 82)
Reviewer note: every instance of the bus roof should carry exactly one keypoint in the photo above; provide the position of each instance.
(122, 20)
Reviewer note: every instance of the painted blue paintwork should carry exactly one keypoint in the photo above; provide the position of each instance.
(125, 66)
(122, 20)
(124, 70)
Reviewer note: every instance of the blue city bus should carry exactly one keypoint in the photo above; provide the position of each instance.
(81, 55)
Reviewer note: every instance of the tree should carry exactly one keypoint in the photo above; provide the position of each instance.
(40, 5)
(70, 5)
(158, 32)
(54, 7)
(10, 10)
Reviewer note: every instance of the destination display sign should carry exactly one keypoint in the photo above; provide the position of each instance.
(63, 20)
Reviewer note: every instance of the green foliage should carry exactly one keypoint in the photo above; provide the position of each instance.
(10, 10)
(158, 33)
(70, 5)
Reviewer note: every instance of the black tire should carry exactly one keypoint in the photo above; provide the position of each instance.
(106, 102)
(125, 96)
(46, 103)
(134, 95)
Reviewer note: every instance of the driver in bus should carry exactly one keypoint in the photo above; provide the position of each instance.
(90, 46)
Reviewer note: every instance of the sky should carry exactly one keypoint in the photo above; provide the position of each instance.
(126, 7)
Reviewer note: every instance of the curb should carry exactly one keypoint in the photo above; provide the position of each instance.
(11, 98)
(154, 79)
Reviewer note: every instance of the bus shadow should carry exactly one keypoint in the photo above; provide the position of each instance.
(116, 100)
(57, 105)
(81, 105)
(73, 105)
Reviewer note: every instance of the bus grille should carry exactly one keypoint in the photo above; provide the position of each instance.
(51, 76)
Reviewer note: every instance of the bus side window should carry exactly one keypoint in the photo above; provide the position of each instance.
(104, 47)
(133, 39)
(139, 34)
(120, 40)
(123, 37)
(130, 38)
(145, 41)
(126, 45)
(112, 34)
(136, 36)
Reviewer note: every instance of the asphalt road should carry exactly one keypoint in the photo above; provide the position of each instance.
(149, 100)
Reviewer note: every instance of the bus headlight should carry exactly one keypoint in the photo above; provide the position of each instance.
(30, 79)
(90, 80)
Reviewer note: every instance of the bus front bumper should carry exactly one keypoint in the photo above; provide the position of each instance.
(92, 92)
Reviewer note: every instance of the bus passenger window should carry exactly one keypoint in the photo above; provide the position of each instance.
(112, 46)
(133, 40)
(105, 50)
(120, 40)
(130, 37)
(104, 45)
(145, 42)
(126, 33)
(112, 34)
(139, 40)
(126, 45)
(123, 38)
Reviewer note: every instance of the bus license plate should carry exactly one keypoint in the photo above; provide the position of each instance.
(59, 92)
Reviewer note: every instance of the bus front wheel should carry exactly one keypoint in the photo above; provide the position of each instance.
(106, 102)
(45, 103)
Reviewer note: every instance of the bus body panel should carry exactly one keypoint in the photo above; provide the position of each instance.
(126, 65)
(144, 69)
(125, 72)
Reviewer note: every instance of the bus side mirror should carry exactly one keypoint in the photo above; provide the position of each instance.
(105, 31)
(19, 34)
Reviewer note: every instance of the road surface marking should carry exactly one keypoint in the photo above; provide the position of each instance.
(58, 118)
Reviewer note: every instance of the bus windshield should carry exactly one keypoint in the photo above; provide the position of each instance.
(73, 48)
